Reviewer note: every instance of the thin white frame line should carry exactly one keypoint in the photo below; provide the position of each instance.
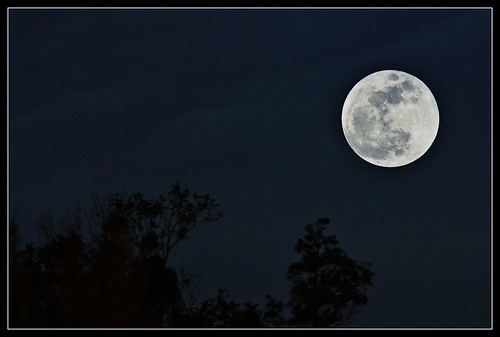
(348, 8)
(491, 163)
(357, 8)
(8, 173)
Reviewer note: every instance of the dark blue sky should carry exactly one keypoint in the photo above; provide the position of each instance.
(246, 105)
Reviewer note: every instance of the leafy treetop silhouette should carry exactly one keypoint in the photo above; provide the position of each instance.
(118, 275)
(328, 287)
(159, 225)
(328, 290)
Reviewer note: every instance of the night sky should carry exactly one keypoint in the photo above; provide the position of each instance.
(246, 105)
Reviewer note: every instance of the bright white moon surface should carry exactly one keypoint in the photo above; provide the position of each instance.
(390, 118)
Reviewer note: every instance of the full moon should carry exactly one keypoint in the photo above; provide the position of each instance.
(390, 118)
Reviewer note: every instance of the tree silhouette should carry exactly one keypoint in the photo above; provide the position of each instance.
(118, 275)
(328, 287)
(223, 312)
(328, 290)
(24, 282)
(154, 226)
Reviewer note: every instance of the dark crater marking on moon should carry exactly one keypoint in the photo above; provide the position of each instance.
(386, 125)
(407, 85)
(396, 140)
(363, 124)
(392, 96)
(393, 77)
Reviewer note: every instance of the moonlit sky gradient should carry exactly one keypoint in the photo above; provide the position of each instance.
(246, 105)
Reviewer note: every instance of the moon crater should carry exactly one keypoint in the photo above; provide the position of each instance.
(390, 118)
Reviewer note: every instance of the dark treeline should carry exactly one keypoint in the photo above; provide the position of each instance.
(108, 266)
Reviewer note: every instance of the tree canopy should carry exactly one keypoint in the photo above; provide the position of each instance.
(328, 287)
(118, 274)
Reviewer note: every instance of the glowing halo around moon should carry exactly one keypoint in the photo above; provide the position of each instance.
(390, 118)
